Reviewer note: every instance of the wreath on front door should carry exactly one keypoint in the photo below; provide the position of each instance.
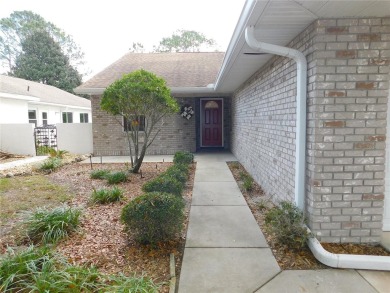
(187, 112)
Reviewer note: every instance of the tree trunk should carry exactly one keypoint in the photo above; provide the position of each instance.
(140, 159)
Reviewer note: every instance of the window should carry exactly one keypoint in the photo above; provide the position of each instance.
(67, 117)
(140, 123)
(32, 117)
(83, 117)
(44, 118)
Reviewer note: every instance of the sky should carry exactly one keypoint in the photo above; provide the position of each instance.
(106, 30)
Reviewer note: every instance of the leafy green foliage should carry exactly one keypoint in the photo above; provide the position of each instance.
(40, 270)
(184, 41)
(179, 172)
(20, 24)
(286, 223)
(57, 153)
(42, 60)
(154, 217)
(164, 183)
(116, 177)
(43, 150)
(137, 95)
(99, 174)
(104, 196)
(247, 181)
(183, 157)
(51, 164)
(50, 226)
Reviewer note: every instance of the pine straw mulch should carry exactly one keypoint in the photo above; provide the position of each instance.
(101, 240)
(287, 258)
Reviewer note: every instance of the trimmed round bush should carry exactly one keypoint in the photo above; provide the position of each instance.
(183, 157)
(164, 183)
(154, 217)
(180, 172)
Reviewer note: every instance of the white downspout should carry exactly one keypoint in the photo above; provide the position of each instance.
(347, 261)
(300, 145)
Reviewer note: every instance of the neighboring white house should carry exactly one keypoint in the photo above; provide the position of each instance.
(24, 101)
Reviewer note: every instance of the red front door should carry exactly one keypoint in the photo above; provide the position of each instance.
(211, 123)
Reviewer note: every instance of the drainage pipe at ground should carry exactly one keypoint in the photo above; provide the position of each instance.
(350, 261)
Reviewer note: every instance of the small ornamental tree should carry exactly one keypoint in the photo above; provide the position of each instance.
(139, 101)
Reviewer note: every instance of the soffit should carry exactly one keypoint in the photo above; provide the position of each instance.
(279, 22)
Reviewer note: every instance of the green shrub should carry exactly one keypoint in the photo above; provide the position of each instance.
(154, 217)
(43, 150)
(107, 195)
(180, 172)
(49, 226)
(15, 270)
(248, 183)
(40, 270)
(99, 174)
(286, 223)
(183, 157)
(116, 177)
(51, 164)
(164, 183)
(57, 154)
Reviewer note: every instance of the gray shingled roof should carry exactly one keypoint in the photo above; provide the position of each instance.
(46, 93)
(178, 69)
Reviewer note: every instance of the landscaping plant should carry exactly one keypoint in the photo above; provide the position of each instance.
(164, 183)
(99, 174)
(154, 217)
(57, 154)
(286, 222)
(51, 164)
(103, 195)
(140, 100)
(116, 177)
(183, 157)
(49, 226)
(41, 270)
(178, 171)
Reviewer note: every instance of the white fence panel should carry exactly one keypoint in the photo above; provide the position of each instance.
(17, 139)
(75, 138)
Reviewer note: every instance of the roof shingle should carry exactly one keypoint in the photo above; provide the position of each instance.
(178, 69)
(46, 93)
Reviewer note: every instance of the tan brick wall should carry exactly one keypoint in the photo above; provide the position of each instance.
(348, 86)
(109, 139)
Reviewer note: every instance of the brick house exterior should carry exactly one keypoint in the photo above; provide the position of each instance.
(348, 77)
(348, 89)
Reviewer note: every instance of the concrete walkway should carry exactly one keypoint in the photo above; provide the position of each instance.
(17, 163)
(226, 251)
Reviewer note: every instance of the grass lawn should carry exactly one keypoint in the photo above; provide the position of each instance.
(22, 193)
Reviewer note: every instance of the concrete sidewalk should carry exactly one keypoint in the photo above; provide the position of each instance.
(226, 251)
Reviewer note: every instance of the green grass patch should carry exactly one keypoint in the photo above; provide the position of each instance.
(50, 226)
(116, 177)
(104, 195)
(41, 270)
(99, 174)
(23, 193)
(51, 164)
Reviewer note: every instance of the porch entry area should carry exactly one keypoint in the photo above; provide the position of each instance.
(211, 122)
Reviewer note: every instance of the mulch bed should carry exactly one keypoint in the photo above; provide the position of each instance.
(101, 240)
(287, 258)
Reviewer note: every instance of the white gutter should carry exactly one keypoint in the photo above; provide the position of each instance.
(346, 261)
(60, 105)
(18, 97)
(300, 145)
